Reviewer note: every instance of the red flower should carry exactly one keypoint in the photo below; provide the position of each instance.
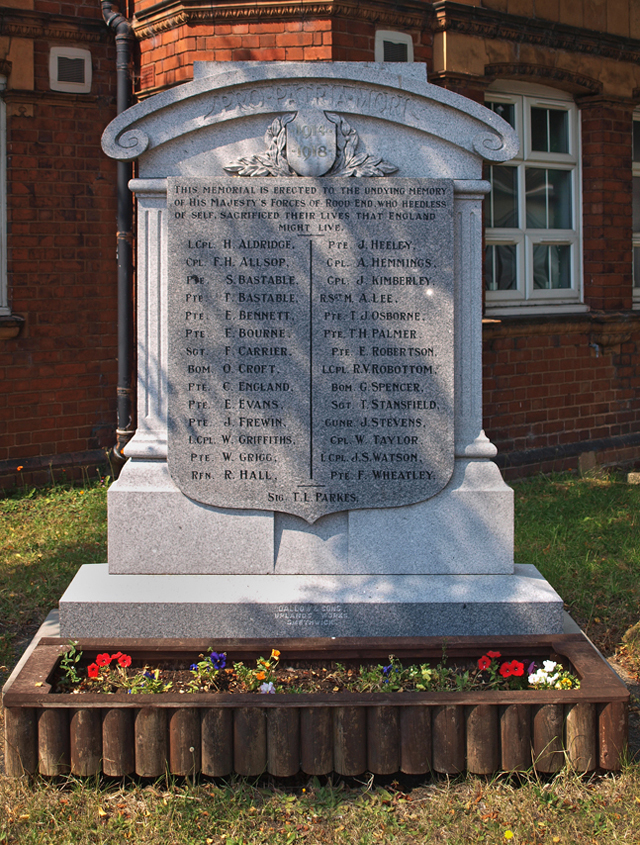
(484, 662)
(93, 671)
(505, 670)
(494, 654)
(124, 660)
(116, 655)
(517, 668)
(103, 659)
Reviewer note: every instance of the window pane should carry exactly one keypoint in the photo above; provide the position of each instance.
(500, 267)
(489, 281)
(560, 264)
(548, 198)
(395, 52)
(559, 188)
(536, 197)
(636, 204)
(558, 131)
(549, 130)
(507, 111)
(539, 136)
(551, 266)
(505, 197)
(541, 267)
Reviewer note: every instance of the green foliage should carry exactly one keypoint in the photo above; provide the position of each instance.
(68, 664)
(394, 677)
(552, 676)
(111, 673)
(148, 681)
(206, 671)
(262, 677)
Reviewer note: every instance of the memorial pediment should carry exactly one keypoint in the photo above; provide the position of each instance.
(444, 134)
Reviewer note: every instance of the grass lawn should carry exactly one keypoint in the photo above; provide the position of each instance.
(583, 536)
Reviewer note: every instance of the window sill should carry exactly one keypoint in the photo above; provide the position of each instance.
(542, 310)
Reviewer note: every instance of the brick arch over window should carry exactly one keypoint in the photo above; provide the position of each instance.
(556, 77)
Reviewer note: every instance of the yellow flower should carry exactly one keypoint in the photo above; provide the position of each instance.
(275, 653)
(508, 834)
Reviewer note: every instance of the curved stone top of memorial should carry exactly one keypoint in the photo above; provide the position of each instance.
(421, 129)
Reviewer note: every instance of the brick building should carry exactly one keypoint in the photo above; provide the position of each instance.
(57, 292)
(561, 336)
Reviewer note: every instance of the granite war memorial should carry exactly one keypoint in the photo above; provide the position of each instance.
(309, 471)
(309, 457)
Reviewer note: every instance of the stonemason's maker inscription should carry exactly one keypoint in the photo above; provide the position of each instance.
(310, 342)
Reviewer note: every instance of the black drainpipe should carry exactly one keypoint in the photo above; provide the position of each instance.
(125, 429)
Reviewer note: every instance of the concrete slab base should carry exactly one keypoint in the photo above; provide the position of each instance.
(97, 604)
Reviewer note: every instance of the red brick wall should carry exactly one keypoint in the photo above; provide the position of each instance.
(548, 389)
(606, 176)
(167, 59)
(59, 376)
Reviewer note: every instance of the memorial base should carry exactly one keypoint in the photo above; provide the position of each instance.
(97, 604)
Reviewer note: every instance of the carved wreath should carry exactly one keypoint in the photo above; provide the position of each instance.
(273, 162)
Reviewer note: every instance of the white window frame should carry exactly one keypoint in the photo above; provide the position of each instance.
(635, 171)
(383, 35)
(526, 298)
(70, 53)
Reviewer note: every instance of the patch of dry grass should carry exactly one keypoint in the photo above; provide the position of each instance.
(563, 811)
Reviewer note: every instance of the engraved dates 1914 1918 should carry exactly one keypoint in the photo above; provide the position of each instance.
(311, 342)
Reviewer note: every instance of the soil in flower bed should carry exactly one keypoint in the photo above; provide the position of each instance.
(213, 672)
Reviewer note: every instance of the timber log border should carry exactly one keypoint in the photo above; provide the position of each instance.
(317, 733)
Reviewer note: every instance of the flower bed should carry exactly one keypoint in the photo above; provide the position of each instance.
(416, 731)
(111, 673)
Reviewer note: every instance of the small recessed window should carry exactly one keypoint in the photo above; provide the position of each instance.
(70, 70)
(393, 46)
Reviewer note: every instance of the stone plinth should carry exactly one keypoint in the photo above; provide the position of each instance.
(98, 604)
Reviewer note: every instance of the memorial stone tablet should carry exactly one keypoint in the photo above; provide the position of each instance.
(310, 341)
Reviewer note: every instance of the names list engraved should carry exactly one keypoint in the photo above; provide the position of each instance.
(310, 342)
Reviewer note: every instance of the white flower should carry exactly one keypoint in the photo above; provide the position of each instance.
(267, 687)
(549, 665)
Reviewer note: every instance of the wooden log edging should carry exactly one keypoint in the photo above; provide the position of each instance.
(413, 733)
